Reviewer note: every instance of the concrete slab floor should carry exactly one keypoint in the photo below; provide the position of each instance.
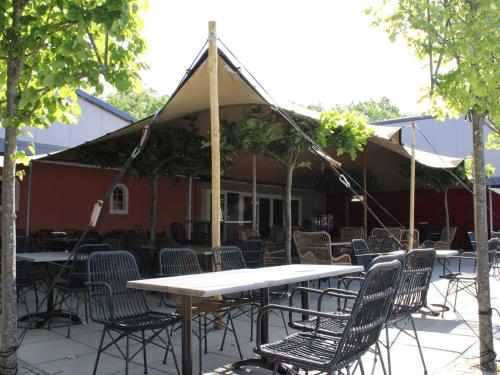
(449, 344)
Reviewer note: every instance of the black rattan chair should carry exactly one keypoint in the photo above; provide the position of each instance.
(411, 295)
(183, 261)
(253, 252)
(71, 284)
(344, 296)
(28, 275)
(313, 350)
(467, 281)
(179, 233)
(124, 311)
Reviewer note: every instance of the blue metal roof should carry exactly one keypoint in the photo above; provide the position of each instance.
(107, 107)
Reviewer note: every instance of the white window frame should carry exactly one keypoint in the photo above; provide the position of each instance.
(125, 194)
(17, 190)
(241, 204)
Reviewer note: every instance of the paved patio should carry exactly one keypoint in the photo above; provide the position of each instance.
(449, 344)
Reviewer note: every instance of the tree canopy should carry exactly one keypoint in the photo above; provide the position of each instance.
(138, 103)
(375, 110)
(48, 49)
(459, 41)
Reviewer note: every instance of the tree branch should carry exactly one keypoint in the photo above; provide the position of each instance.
(96, 52)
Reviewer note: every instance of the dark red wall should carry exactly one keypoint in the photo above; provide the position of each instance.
(429, 207)
(63, 197)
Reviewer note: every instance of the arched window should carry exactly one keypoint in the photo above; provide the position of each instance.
(119, 200)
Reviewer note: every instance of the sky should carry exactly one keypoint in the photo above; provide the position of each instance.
(307, 52)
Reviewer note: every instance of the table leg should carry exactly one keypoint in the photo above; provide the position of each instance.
(264, 301)
(187, 355)
(305, 299)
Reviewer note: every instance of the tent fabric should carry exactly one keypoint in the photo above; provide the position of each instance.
(236, 89)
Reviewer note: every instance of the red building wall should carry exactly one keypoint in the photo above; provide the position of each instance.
(62, 197)
(429, 207)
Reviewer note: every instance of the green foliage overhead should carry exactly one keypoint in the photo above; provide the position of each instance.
(139, 104)
(374, 110)
(171, 150)
(328, 182)
(437, 179)
(64, 45)
(459, 39)
(346, 130)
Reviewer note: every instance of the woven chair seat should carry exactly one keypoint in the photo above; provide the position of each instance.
(329, 326)
(461, 276)
(149, 320)
(316, 349)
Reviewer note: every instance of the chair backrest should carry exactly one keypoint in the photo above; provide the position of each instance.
(417, 273)
(78, 270)
(351, 233)
(228, 258)
(361, 252)
(495, 234)
(493, 249)
(369, 312)
(202, 232)
(247, 233)
(472, 239)
(448, 234)
(253, 252)
(25, 244)
(277, 235)
(382, 244)
(416, 237)
(113, 242)
(110, 299)
(396, 232)
(178, 232)
(313, 247)
(178, 261)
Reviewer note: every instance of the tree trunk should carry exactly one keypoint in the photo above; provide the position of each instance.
(446, 212)
(8, 363)
(8, 357)
(487, 358)
(154, 209)
(288, 210)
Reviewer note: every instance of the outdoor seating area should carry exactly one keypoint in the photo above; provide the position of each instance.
(164, 214)
(105, 316)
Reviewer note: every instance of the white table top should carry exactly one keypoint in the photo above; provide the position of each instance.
(446, 253)
(54, 256)
(223, 282)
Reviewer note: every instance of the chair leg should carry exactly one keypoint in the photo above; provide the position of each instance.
(284, 322)
(418, 344)
(171, 346)
(361, 366)
(446, 297)
(144, 353)
(205, 332)
(225, 332)
(251, 322)
(35, 289)
(99, 350)
(199, 345)
(127, 352)
(235, 335)
(388, 348)
(378, 352)
(70, 308)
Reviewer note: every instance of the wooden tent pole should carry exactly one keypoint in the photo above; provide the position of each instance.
(412, 187)
(365, 197)
(254, 191)
(214, 132)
